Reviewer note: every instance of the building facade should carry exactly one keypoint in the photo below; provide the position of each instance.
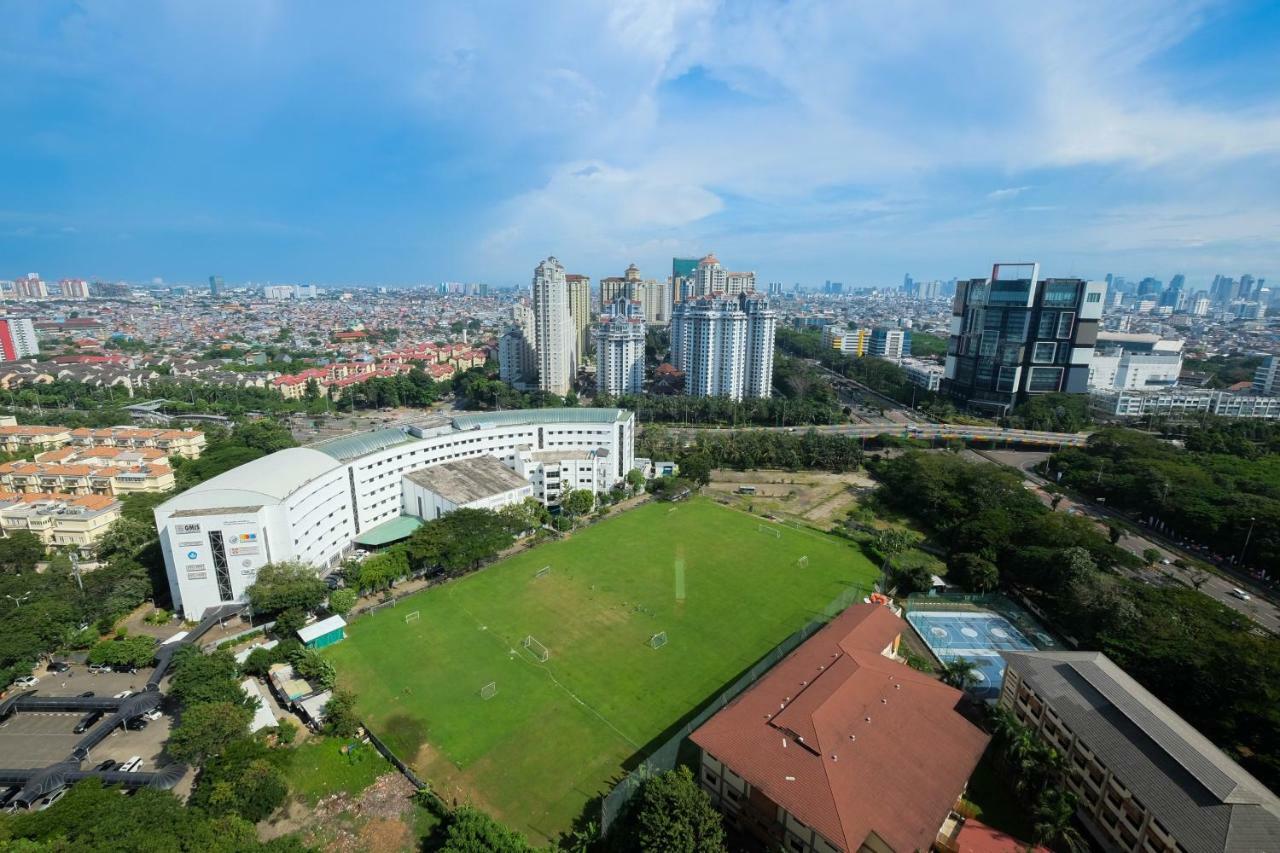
(311, 503)
(891, 344)
(1182, 402)
(724, 346)
(1266, 379)
(620, 339)
(1015, 335)
(517, 361)
(1134, 362)
(580, 311)
(18, 339)
(1145, 780)
(554, 329)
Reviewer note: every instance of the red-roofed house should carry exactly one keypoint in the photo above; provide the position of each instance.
(841, 747)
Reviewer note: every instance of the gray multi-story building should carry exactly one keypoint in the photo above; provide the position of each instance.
(1145, 780)
(554, 330)
(1015, 335)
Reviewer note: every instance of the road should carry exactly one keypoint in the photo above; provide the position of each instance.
(923, 431)
(1217, 587)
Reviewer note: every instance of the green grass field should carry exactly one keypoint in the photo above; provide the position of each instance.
(560, 732)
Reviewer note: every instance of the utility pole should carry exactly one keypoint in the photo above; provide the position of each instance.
(1247, 536)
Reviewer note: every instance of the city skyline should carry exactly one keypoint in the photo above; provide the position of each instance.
(855, 144)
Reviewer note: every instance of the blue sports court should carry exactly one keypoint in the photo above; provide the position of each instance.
(977, 636)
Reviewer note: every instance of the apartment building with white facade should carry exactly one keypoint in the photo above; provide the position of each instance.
(1128, 362)
(620, 339)
(554, 330)
(311, 503)
(724, 346)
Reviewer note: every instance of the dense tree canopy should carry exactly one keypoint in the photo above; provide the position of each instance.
(1208, 496)
(461, 540)
(673, 815)
(285, 586)
(1203, 659)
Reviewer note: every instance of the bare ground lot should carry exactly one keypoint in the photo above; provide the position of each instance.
(815, 497)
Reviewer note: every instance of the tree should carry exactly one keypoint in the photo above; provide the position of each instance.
(528, 514)
(1114, 533)
(20, 551)
(578, 502)
(635, 479)
(696, 467)
(340, 717)
(973, 572)
(280, 586)
(289, 622)
(675, 815)
(125, 538)
(342, 600)
(207, 728)
(892, 542)
(315, 668)
(136, 651)
(1053, 817)
(199, 678)
(460, 540)
(265, 434)
(243, 779)
(960, 673)
(470, 830)
(1150, 556)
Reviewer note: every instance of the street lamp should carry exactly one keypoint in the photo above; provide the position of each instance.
(1244, 549)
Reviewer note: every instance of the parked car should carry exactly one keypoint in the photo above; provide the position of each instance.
(98, 668)
(88, 694)
(58, 666)
(87, 721)
(137, 724)
(123, 694)
(154, 714)
(105, 766)
(133, 765)
(46, 801)
(26, 681)
(333, 582)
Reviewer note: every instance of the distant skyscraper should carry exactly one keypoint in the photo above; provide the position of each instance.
(1172, 298)
(620, 348)
(682, 270)
(553, 327)
(832, 288)
(215, 285)
(724, 345)
(906, 282)
(1021, 335)
(775, 288)
(580, 310)
(17, 339)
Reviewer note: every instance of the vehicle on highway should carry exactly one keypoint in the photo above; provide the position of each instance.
(26, 681)
(1241, 594)
(87, 721)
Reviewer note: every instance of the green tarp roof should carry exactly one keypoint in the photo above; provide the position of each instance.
(387, 532)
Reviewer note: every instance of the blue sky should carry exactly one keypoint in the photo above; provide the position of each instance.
(413, 142)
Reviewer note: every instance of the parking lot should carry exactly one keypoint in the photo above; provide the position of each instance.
(78, 680)
(37, 740)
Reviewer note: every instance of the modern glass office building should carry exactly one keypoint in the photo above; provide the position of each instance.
(1015, 334)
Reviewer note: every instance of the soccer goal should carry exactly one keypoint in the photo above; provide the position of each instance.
(542, 572)
(411, 616)
(803, 562)
(489, 690)
(771, 531)
(658, 640)
(536, 649)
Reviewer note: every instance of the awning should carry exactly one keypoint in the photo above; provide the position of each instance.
(398, 528)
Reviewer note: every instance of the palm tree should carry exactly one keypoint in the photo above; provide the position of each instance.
(960, 673)
(1052, 821)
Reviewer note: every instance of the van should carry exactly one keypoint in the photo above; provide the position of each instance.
(133, 765)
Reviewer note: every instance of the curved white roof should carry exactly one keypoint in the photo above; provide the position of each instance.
(266, 480)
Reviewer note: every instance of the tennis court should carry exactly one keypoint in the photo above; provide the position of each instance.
(977, 636)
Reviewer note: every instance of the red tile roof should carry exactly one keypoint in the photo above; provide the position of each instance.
(976, 837)
(851, 742)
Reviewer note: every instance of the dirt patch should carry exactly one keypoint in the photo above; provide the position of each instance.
(379, 819)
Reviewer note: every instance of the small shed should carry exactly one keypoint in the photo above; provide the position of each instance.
(326, 632)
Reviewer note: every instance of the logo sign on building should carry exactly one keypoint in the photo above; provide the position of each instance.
(186, 529)
(197, 573)
(193, 555)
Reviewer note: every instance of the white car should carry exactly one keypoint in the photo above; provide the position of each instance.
(26, 681)
(1241, 594)
(124, 694)
(154, 715)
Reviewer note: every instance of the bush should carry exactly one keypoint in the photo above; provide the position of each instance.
(286, 732)
(136, 651)
(288, 623)
(340, 718)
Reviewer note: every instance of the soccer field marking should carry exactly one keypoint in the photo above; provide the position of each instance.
(546, 668)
